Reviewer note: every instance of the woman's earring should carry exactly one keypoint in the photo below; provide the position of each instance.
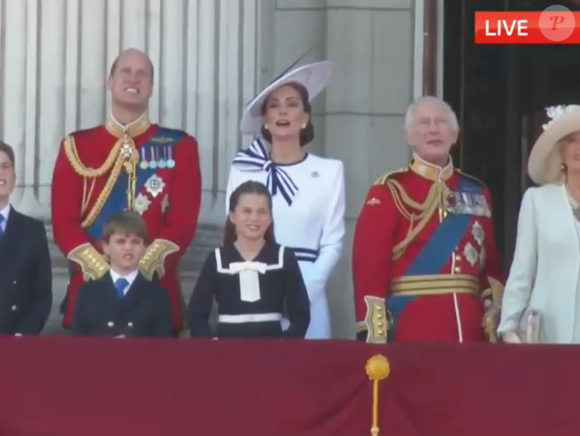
(266, 126)
(303, 126)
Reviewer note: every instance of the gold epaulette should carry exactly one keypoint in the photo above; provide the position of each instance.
(93, 264)
(154, 259)
(383, 179)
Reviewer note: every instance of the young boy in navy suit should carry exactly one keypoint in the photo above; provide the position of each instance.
(123, 302)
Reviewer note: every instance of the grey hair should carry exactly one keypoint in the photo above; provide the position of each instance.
(409, 116)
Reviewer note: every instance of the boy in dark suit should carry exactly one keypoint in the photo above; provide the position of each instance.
(25, 267)
(123, 302)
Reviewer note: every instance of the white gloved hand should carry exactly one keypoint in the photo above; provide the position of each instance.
(512, 338)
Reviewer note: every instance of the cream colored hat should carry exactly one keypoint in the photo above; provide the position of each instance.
(545, 163)
(314, 77)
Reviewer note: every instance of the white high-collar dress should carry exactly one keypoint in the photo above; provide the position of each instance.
(308, 213)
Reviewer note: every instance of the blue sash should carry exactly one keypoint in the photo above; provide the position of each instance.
(160, 146)
(437, 250)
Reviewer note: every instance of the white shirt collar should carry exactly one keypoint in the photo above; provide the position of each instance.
(129, 277)
(5, 212)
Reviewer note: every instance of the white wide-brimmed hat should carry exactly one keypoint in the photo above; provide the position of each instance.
(314, 77)
(545, 162)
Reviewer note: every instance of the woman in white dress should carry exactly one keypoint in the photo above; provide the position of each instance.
(541, 301)
(307, 190)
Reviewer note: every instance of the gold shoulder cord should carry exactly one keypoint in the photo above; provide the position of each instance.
(425, 211)
(123, 148)
(385, 177)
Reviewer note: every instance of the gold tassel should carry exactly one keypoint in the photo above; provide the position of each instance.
(377, 369)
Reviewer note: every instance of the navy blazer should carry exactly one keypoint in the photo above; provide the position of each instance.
(25, 276)
(145, 311)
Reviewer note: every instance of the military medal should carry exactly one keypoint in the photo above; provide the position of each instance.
(142, 203)
(165, 203)
(162, 163)
(143, 164)
(170, 161)
(153, 162)
(154, 185)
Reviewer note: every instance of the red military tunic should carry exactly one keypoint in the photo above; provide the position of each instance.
(92, 180)
(424, 257)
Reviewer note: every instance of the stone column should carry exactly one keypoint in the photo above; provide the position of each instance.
(56, 58)
(290, 28)
(372, 41)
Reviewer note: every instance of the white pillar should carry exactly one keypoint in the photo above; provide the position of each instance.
(365, 108)
(58, 54)
(13, 123)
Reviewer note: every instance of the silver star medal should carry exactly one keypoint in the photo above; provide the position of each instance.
(478, 233)
(141, 204)
(155, 185)
(470, 254)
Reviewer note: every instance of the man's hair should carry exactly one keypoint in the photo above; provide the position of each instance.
(8, 150)
(410, 115)
(115, 63)
(125, 223)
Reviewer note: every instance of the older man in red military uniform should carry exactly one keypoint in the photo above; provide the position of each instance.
(128, 163)
(425, 264)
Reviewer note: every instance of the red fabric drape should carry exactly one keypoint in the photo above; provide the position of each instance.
(112, 387)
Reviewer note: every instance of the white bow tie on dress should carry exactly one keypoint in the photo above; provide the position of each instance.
(257, 158)
(249, 279)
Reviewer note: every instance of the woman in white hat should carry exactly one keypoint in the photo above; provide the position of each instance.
(541, 301)
(307, 190)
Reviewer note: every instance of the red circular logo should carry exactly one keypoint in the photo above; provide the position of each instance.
(557, 23)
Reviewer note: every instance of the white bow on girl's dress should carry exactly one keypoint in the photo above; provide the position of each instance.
(249, 279)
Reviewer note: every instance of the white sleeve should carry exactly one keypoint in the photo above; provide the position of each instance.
(331, 240)
(522, 274)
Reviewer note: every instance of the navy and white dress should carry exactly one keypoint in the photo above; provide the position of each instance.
(308, 212)
(251, 295)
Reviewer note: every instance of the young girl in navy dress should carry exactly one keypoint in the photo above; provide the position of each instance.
(253, 279)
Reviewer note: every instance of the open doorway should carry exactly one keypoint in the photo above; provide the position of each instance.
(500, 94)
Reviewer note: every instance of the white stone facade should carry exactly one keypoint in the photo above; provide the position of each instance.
(210, 57)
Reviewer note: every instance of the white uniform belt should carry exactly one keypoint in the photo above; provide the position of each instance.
(249, 317)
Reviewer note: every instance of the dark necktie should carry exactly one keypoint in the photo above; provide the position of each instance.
(121, 284)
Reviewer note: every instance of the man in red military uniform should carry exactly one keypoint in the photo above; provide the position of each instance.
(128, 163)
(425, 264)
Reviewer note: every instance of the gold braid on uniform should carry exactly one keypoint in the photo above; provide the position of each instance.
(123, 154)
(420, 214)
